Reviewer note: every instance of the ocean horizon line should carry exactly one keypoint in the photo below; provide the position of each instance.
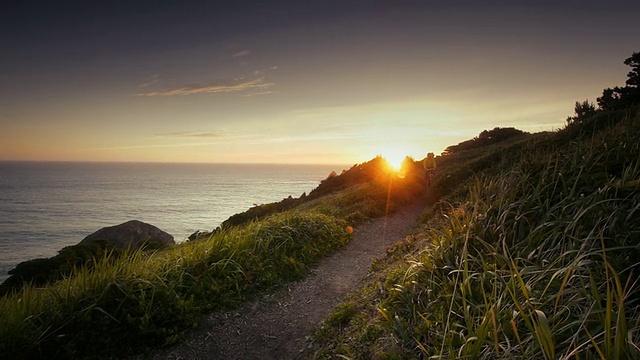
(167, 163)
(47, 205)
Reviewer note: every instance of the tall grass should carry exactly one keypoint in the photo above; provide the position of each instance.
(537, 258)
(149, 299)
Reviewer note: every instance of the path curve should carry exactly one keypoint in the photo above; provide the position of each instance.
(278, 325)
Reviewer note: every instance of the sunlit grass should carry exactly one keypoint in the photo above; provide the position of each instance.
(536, 258)
(128, 302)
(150, 299)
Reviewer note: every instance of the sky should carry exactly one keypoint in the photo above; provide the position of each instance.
(331, 82)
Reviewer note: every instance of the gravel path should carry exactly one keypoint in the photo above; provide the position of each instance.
(278, 325)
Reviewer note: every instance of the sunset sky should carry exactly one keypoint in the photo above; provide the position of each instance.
(295, 81)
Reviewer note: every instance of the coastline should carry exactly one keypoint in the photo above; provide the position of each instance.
(45, 206)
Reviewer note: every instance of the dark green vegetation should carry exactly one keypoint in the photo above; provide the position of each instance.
(531, 251)
(620, 98)
(92, 302)
(42, 271)
(485, 138)
(109, 241)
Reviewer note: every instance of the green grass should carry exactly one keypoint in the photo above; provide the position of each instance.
(150, 299)
(531, 252)
(120, 304)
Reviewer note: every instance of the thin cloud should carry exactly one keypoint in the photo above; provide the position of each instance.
(241, 53)
(217, 141)
(256, 84)
(260, 93)
(154, 146)
(184, 134)
(153, 79)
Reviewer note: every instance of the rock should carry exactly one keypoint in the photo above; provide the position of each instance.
(131, 234)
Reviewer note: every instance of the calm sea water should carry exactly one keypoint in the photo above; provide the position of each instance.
(47, 206)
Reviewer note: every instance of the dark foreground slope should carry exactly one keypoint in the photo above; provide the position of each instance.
(531, 252)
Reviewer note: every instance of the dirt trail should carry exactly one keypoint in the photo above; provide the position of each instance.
(278, 325)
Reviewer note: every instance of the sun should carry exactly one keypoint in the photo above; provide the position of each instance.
(394, 157)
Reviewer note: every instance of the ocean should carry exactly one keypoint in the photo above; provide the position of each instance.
(45, 206)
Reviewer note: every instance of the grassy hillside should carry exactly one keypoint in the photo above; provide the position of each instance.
(362, 192)
(531, 251)
(118, 304)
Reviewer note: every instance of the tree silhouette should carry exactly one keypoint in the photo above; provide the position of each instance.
(633, 75)
(486, 137)
(623, 97)
(582, 110)
(610, 99)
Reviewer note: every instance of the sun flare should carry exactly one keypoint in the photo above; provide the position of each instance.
(394, 157)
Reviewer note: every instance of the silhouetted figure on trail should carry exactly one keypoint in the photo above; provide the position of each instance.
(429, 164)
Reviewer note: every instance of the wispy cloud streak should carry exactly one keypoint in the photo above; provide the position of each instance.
(184, 134)
(153, 79)
(241, 53)
(236, 86)
(155, 146)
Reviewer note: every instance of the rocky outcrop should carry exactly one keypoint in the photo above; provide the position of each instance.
(131, 234)
(112, 240)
